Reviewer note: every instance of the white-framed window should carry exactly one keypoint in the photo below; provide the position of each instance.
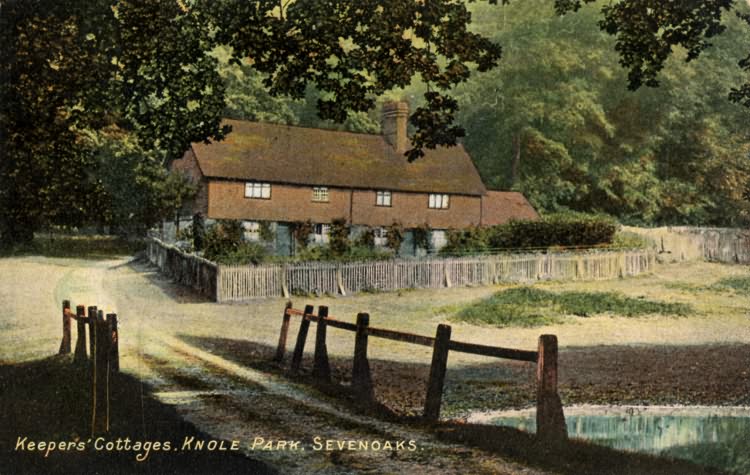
(251, 231)
(257, 190)
(438, 201)
(322, 233)
(382, 198)
(320, 193)
(380, 236)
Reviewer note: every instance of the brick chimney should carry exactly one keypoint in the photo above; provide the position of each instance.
(394, 119)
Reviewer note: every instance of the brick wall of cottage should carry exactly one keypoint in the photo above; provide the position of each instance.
(411, 210)
(294, 203)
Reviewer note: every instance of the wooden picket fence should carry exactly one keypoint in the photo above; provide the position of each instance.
(550, 419)
(187, 269)
(102, 360)
(683, 243)
(226, 283)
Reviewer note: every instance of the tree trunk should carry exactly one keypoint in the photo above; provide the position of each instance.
(516, 165)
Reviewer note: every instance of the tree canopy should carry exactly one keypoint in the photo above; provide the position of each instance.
(150, 69)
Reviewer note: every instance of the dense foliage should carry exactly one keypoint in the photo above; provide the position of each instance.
(559, 230)
(556, 121)
(569, 134)
(223, 243)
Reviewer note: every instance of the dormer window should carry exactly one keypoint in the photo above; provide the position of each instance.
(257, 190)
(320, 194)
(383, 198)
(437, 201)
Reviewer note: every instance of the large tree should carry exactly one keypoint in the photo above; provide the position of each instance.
(144, 65)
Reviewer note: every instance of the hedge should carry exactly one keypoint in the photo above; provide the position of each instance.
(552, 231)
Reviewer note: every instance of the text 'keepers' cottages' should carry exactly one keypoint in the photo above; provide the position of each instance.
(283, 175)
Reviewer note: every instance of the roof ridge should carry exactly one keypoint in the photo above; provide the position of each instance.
(305, 127)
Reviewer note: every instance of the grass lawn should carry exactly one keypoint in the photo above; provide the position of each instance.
(533, 307)
(71, 246)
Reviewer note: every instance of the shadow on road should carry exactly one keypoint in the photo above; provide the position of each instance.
(48, 400)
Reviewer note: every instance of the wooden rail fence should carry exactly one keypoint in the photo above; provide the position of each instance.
(102, 360)
(549, 417)
(224, 283)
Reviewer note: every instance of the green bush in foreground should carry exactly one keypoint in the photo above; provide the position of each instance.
(531, 307)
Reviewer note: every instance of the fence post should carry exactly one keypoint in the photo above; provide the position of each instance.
(340, 282)
(65, 343)
(321, 366)
(114, 342)
(550, 420)
(281, 348)
(361, 378)
(91, 320)
(437, 373)
(101, 376)
(80, 355)
(299, 348)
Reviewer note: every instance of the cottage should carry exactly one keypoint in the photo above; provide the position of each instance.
(280, 175)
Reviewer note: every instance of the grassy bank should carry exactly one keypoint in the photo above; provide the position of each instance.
(72, 246)
(533, 307)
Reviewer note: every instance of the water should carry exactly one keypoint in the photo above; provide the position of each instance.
(714, 436)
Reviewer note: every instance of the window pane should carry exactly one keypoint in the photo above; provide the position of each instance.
(445, 201)
(266, 191)
(387, 198)
(432, 201)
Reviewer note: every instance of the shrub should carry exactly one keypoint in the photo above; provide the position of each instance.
(395, 237)
(199, 231)
(339, 237)
(422, 237)
(245, 253)
(354, 253)
(222, 239)
(266, 233)
(301, 231)
(567, 230)
(627, 240)
(471, 240)
(366, 239)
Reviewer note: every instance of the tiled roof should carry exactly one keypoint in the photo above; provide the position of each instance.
(307, 156)
(499, 207)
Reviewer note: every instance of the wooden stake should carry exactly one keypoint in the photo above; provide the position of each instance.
(361, 377)
(80, 356)
(114, 342)
(65, 343)
(91, 320)
(299, 348)
(550, 420)
(281, 349)
(101, 391)
(321, 366)
(437, 373)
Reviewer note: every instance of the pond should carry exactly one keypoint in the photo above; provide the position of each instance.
(714, 436)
